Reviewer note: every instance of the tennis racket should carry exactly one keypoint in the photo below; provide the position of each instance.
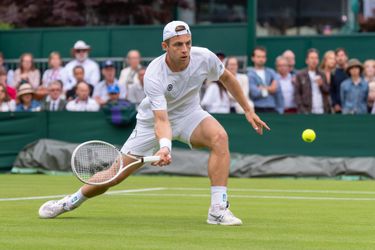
(99, 162)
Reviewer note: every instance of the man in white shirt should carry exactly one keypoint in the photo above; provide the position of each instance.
(129, 75)
(311, 88)
(82, 102)
(101, 89)
(285, 81)
(92, 72)
(171, 110)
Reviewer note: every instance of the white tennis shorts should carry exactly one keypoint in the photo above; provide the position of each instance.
(142, 141)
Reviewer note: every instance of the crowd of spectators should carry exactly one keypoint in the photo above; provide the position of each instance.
(333, 85)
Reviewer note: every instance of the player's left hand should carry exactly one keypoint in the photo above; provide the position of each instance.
(256, 122)
(165, 157)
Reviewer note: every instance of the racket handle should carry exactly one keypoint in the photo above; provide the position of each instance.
(151, 158)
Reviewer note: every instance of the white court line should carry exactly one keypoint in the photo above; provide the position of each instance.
(63, 195)
(257, 197)
(280, 190)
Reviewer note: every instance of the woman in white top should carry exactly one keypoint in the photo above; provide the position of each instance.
(216, 99)
(55, 71)
(231, 64)
(6, 104)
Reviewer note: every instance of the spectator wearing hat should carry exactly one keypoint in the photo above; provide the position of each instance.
(101, 89)
(25, 95)
(6, 103)
(3, 81)
(311, 88)
(26, 72)
(136, 93)
(81, 52)
(354, 90)
(54, 102)
(129, 75)
(119, 111)
(83, 101)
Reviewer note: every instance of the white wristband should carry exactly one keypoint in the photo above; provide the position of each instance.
(165, 142)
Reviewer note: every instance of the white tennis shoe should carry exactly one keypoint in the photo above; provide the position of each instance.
(54, 208)
(222, 216)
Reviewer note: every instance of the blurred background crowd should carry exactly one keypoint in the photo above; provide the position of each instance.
(331, 82)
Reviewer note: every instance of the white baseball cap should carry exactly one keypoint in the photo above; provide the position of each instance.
(81, 45)
(175, 28)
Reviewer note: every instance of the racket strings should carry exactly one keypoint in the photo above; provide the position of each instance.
(97, 162)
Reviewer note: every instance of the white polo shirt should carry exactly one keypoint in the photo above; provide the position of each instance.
(92, 72)
(177, 92)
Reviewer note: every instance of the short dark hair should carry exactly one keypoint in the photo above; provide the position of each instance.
(312, 50)
(78, 67)
(261, 48)
(340, 49)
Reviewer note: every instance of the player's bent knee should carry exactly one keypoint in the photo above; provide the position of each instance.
(220, 140)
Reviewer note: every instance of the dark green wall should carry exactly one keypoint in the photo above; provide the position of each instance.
(337, 135)
(116, 41)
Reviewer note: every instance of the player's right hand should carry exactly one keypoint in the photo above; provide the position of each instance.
(165, 157)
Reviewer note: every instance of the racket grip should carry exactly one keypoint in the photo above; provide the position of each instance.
(151, 158)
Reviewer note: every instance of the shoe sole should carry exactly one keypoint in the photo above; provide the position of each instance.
(223, 224)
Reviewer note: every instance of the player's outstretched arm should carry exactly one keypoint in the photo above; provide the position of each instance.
(163, 132)
(232, 85)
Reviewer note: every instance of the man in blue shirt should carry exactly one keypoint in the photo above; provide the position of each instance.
(264, 90)
(354, 90)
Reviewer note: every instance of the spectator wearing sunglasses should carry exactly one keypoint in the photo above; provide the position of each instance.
(80, 53)
(54, 102)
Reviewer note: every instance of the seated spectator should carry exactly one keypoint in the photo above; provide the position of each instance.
(311, 88)
(338, 77)
(3, 81)
(136, 92)
(118, 111)
(83, 101)
(285, 80)
(354, 90)
(291, 58)
(54, 102)
(216, 99)
(25, 95)
(264, 90)
(9, 72)
(6, 103)
(129, 75)
(55, 72)
(79, 75)
(81, 52)
(328, 65)
(232, 65)
(369, 76)
(100, 91)
(26, 72)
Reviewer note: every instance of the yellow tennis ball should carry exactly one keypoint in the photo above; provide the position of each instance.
(308, 135)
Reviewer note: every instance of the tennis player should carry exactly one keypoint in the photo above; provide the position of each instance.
(171, 110)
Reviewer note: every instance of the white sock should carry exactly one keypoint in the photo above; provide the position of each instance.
(219, 196)
(76, 199)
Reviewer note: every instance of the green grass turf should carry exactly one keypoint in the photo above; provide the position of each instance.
(175, 218)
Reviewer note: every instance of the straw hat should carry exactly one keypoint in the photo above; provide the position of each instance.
(25, 88)
(354, 63)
